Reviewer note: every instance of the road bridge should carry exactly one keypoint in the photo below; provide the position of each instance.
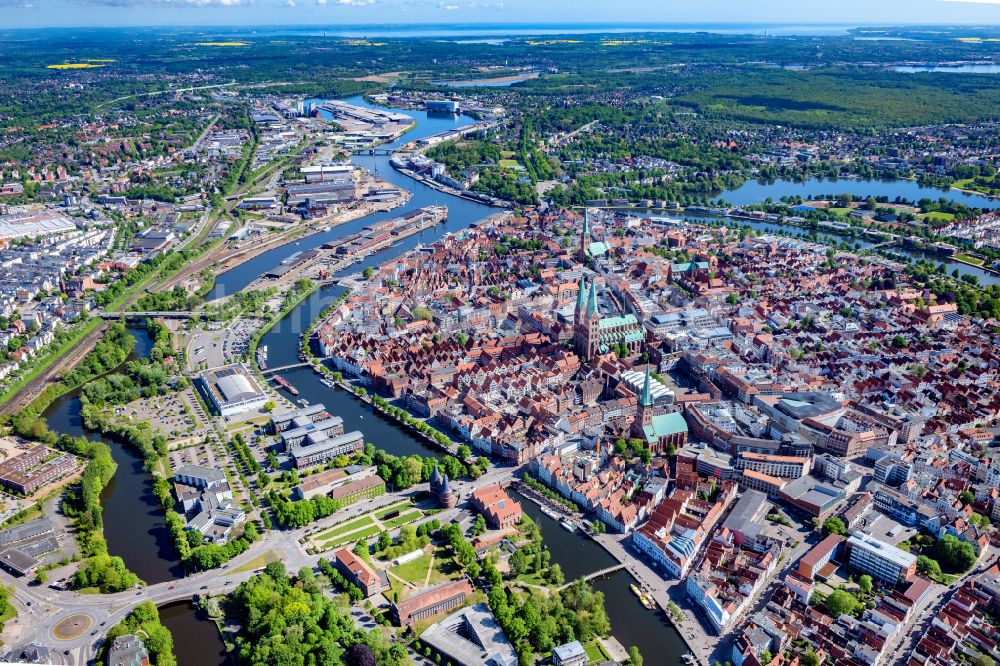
(374, 151)
(163, 314)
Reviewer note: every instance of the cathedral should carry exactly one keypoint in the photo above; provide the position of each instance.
(594, 335)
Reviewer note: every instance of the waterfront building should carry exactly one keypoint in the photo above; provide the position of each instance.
(232, 390)
(497, 507)
(319, 448)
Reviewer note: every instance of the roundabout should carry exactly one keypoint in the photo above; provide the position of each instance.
(72, 627)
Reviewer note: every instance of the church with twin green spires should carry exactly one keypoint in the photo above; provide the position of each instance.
(594, 334)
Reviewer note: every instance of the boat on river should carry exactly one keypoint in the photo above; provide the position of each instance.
(568, 524)
(550, 513)
(326, 382)
(283, 383)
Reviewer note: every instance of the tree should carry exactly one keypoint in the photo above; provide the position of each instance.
(834, 526)
(865, 584)
(634, 658)
(954, 554)
(810, 658)
(478, 527)
(269, 406)
(984, 660)
(928, 567)
(966, 497)
(360, 655)
(841, 603)
(518, 563)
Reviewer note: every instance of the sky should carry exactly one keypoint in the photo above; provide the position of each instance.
(105, 13)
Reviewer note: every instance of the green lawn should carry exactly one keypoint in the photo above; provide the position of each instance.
(403, 519)
(840, 211)
(969, 259)
(595, 652)
(508, 163)
(351, 538)
(381, 513)
(415, 571)
(258, 562)
(343, 528)
(938, 216)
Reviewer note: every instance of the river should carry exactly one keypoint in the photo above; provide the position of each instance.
(631, 622)
(134, 526)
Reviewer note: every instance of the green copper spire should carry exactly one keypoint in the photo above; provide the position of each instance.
(592, 300)
(646, 400)
(581, 295)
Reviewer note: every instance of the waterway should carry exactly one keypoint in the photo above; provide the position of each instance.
(968, 68)
(757, 191)
(196, 638)
(631, 623)
(134, 525)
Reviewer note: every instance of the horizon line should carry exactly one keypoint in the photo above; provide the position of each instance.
(639, 25)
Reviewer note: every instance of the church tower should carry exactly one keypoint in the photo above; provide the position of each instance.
(644, 415)
(585, 237)
(587, 327)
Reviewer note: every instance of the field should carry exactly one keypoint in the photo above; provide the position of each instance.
(74, 65)
(938, 216)
(969, 259)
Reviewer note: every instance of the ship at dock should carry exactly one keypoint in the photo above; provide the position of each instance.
(283, 383)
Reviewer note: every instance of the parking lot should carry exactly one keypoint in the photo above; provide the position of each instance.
(213, 348)
(178, 416)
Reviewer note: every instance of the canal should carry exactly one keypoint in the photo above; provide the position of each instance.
(196, 638)
(134, 525)
(631, 622)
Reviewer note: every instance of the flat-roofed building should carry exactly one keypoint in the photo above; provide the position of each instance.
(471, 637)
(35, 468)
(570, 654)
(744, 521)
(879, 559)
(812, 496)
(318, 448)
(332, 426)
(431, 601)
(232, 390)
(199, 476)
(789, 467)
(282, 422)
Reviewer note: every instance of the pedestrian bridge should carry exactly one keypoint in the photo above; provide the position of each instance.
(598, 574)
